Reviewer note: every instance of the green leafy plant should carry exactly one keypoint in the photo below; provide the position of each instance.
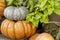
(16, 2)
(41, 9)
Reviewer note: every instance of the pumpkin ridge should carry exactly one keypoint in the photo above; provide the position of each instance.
(1, 11)
(33, 30)
(2, 7)
(2, 25)
(19, 26)
(7, 26)
(29, 28)
(11, 30)
(2, 4)
(25, 28)
(20, 17)
(7, 29)
(13, 13)
(14, 30)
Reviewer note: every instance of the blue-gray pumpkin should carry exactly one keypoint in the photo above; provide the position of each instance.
(15, 13)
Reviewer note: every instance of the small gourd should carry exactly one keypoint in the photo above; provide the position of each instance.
(15, 13)
(17, 30)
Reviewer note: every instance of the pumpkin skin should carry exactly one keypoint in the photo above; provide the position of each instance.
(15, 13)
(34, 37)
(2, 7)
(43, 36)
(17, 30)
(0, 29)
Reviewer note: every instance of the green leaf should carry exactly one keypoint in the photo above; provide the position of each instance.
(30, 16)
(34, 18)
(57, 3)
(51, 2)
(50, 10)
(44, 19)
(42, 3)
(35, 22)
(57, 11)
(9, 2)
(31, 4)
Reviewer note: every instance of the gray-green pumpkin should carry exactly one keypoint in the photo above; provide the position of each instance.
(15, 13)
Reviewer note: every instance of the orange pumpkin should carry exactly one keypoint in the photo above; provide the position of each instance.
(0, 30)
(2, 7)
(18, 30)
(43, 36)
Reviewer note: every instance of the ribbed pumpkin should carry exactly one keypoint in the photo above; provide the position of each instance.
(15, 13)
(43, 36)
(2, 7)
(18, 30)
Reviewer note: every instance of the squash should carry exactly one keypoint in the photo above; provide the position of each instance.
(17, 30)
(15, 13)
(2, 7)
(43, 36)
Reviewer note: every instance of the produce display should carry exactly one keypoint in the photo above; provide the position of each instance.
(30, 19)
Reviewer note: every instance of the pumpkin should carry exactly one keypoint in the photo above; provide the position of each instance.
(17, 30)
(2, 7)
(34, 37)
(15, 13)
(43, 36)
